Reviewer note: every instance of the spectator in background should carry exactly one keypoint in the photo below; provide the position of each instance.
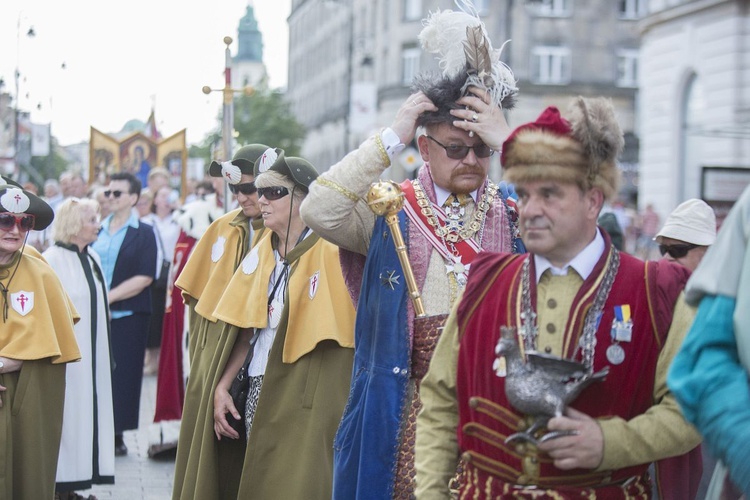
(127, 249)
(145, 201)
(78, 187)
(31, 188)
(648, 225)
(684, 239)
(52, 193)
(202, 189)
(87, 453)
(65, 183)
(167, 231)
(158, 177)
(687, 233)
(98, 195)
(608, 221)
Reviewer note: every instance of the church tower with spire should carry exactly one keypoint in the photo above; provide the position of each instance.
(248, 67)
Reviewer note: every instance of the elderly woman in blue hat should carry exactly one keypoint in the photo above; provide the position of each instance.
(36, 341)
(296, 321)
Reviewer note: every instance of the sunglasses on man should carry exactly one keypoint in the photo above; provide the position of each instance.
(676, 251)
(116, 193)
(459, 151)
(25, 222)
(273, 192)
(246, 188)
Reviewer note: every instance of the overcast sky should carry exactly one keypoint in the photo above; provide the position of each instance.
(122, 56)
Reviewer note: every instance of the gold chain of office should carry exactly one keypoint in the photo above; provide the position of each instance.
(467, 231)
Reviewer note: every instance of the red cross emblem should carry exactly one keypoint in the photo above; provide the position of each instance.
(22, 302)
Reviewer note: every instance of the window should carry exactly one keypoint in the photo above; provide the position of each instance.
(553, 8)
(627, 68)
(633, 9)
(412, 10)
(551, 65)
(409, 64)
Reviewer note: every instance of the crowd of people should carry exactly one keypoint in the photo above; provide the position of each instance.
(329, 335)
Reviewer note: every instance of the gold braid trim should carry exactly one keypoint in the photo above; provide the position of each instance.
(337, 187)
(383, 153)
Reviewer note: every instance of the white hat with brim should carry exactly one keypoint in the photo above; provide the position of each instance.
(693, 221)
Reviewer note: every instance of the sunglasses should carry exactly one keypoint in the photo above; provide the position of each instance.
(459, 152)
(273, 193)
(246, 188)
(676, 251)
(24, 222)
(116, 193)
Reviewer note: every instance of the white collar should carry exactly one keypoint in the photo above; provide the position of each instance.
(583, 263)
(441, 195)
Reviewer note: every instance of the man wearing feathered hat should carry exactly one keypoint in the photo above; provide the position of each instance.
(575, 297)
(205, 467)
(452, 212)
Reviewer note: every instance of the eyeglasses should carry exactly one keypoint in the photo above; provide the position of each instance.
(24, 222)
(273, 193)
(116, 193)
(676, 251)
(246, 188)
(459, 151)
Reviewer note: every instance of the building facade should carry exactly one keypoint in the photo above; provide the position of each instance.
(351, 63)
(695, 102)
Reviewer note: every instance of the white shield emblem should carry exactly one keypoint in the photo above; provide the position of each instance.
(22, 302)
(250, 262)
(217, 250)
(314, 282)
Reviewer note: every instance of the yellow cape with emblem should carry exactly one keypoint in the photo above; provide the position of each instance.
(212, 263)
(317, 305)
(40, 314)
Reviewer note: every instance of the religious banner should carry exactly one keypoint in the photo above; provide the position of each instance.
(171, 153)
(137, 153)
(104, 157)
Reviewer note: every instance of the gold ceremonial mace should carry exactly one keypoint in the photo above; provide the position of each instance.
(386, 198)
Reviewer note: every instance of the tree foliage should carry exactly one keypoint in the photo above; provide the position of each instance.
(263, 117)
(46, 167)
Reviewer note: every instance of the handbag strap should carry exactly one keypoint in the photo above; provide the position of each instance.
(158, 237)
(250, 352)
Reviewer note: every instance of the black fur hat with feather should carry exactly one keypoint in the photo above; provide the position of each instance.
(466, 58)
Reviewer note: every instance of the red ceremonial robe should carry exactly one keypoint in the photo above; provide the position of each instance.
(493, 299)
(170, 384)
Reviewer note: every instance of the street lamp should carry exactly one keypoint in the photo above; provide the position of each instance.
(227, 116)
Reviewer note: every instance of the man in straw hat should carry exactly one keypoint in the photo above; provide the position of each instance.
(205, 467)
(574, 296)
(37, 341)
(452, 212)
